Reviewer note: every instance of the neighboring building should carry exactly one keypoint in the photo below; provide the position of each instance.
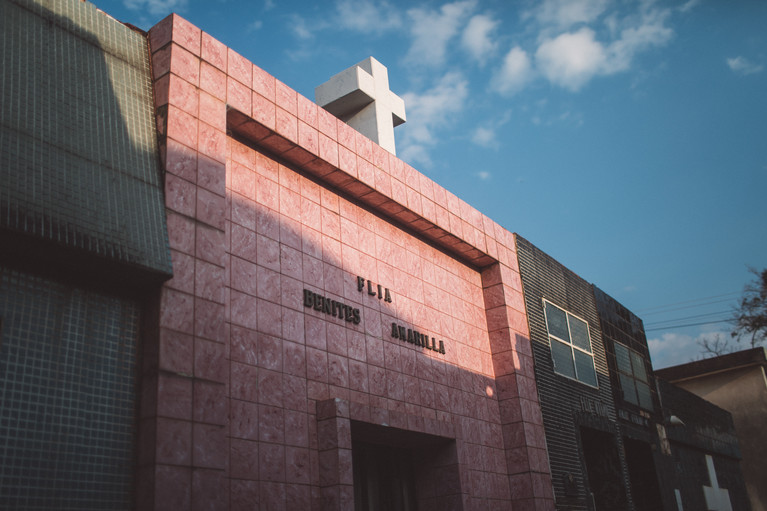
(737, 383)
(611, 441)
(573, 383)
(672, 463)
(216, 295)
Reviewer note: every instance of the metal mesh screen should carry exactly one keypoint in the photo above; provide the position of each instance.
(67, 396)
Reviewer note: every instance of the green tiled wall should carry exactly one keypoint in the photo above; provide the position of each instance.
(78, 147)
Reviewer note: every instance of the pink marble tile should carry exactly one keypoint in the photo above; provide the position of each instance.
(209, 361)
(243, 309)
(161, 91)
(307, 111)
(210, 244)
(239, 68)
(264, 83)
(268, 284)
(268, 251)
(212, 142)
(209, 446)
(213, 51)
(161, 61)
(174, 396)
(212, 111)
(286, 98)
(243, 459)
(161, 34)
(183, 95)
(211, 405)
(173, 487)
(244, 419)
(286, 125)
(182, 126)
(209, 281)
(328, 150)
(308, 138)
(293, 325)
(297, 465)
(238, 95)
(184, 64)
(186, 34)
(316, 332)
(211, 208)
(263, 110)
(271, 424)
(347, 136)
(347, 161)
(327, 123)
(270, 387)
(209, 320)
(183, 272)
(243, 180)
(180, 195)
(213, 81)
(176, 310)
(181, 160)
(243, 211)
(174, 441)
(243, 494)
(269, 317)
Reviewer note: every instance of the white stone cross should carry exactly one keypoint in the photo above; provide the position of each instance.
(360, 97)
(717, 499)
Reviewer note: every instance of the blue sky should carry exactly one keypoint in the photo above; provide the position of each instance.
(627, 139)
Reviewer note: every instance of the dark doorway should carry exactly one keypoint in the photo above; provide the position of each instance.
(603, 467)
(383, 478)
(644, 483)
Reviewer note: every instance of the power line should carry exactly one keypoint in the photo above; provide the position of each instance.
(674, 327)
(645, 311)
(656, 323)
(687, 307)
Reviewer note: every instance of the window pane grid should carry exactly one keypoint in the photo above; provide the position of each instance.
(570, 345)
(633, 377)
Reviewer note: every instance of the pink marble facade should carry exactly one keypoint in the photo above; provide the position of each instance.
(247, 394)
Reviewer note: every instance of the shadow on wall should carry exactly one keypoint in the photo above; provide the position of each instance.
(81, 184)
(81, 202)
(305, 380)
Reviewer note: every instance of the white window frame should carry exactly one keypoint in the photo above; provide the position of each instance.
(571, 345)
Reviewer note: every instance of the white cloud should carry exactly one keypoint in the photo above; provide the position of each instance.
(156, 7)
(743, 66)
(367, 16)
(477, 37)
(300, 28)
(689, 5)
(649, 32)
(255, 25)
(564, 13)
(515, 72)
(484, 175)
(428, 112)
(484, 137)
(433, 30)
(571, 59)
(672, 348)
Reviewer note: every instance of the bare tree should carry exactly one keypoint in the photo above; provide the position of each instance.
(714, 346)
(750, 317)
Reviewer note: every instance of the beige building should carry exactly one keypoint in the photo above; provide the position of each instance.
(737, 383)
